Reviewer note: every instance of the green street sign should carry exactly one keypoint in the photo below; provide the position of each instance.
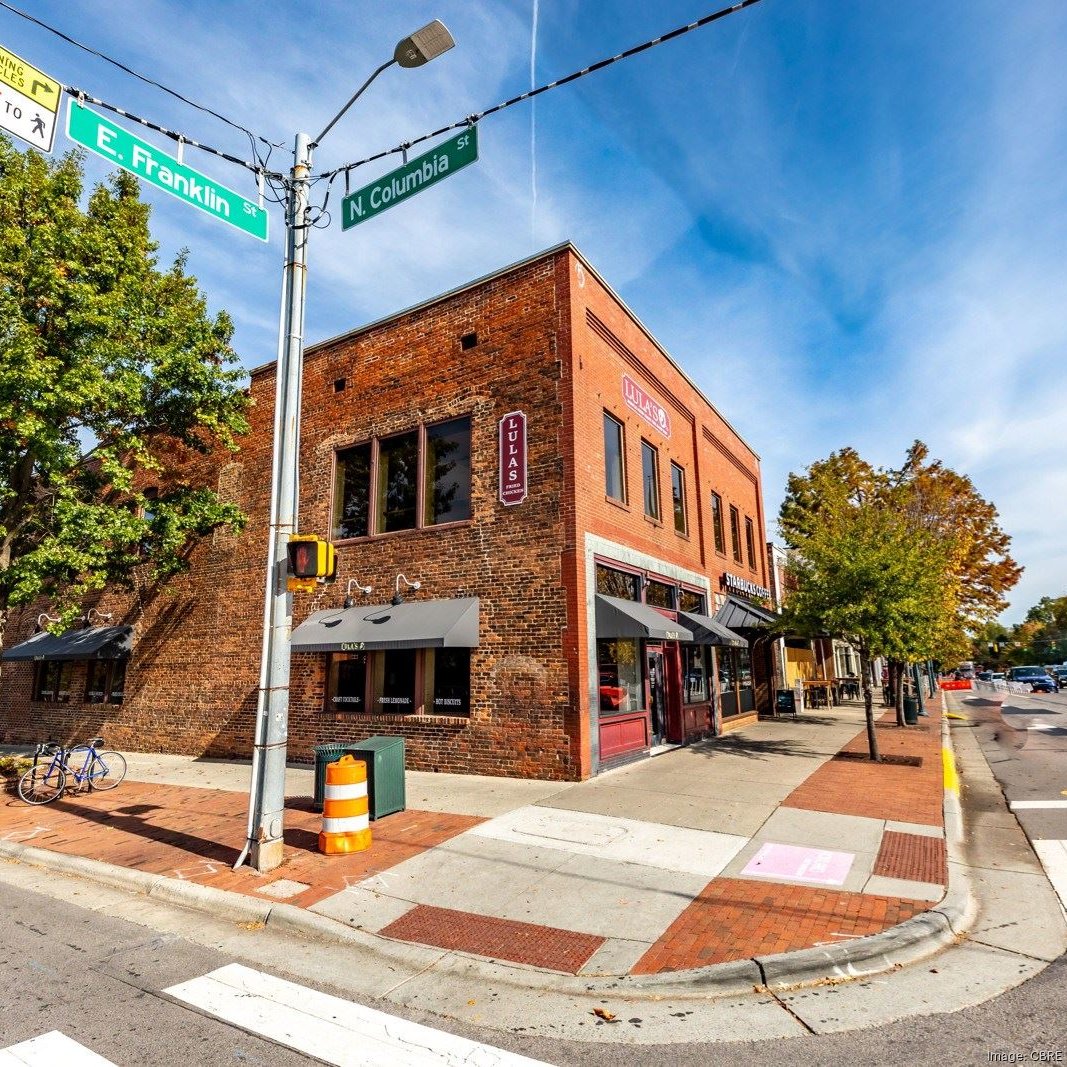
(411, 178)
(119, 146)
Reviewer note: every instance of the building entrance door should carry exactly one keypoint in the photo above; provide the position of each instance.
(656, 682)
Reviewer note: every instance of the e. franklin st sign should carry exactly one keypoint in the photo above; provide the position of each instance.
(145, 161)
(411, 178)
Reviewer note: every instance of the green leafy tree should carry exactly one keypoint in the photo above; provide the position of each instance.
(112, 373)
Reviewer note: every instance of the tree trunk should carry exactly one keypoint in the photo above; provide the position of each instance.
(868, 704)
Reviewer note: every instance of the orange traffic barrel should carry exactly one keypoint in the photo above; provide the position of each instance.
(345, 818)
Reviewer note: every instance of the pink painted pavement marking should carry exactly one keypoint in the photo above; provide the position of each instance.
(804, 864)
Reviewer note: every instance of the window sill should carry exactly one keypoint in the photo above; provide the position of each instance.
(622, 505)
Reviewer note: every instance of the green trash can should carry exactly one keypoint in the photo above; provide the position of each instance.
(384, 757)
(325, 754)
(911, 711)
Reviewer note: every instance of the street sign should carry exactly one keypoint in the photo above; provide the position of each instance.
(411, 178)
(29, 101)
(145, 161)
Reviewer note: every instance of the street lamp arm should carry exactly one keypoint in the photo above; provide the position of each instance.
(355, 96)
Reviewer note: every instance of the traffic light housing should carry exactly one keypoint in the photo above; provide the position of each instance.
(311, 557)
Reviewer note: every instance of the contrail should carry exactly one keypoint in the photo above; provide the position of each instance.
(533, 124)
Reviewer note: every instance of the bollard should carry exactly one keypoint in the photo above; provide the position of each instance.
(345, 819)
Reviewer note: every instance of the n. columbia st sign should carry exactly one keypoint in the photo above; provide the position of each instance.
(652, 411)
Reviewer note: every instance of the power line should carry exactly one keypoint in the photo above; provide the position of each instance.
(471, 119)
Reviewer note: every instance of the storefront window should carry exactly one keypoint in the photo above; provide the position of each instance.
(611, 582)
(105, 681)
(449, 680)
(619, 675)
(117, 685)
(394, 681)
(398, 464)
(744, 668)
(695, 661)
(51, 682)
(351, 503)
(614, 472)
(346, 685)
(693, 602)
(448, 472)
(660, 595)
(681, 524)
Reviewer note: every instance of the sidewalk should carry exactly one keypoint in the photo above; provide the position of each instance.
(777, 838)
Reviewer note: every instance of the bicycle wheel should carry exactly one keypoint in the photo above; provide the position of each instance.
(107, 770)
(42, 783)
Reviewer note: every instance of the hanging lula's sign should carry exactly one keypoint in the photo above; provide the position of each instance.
(649, 409)
(513, 479)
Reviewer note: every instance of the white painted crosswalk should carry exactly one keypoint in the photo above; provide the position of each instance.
(1053, 857)
(50, 1050)
(329, 1028)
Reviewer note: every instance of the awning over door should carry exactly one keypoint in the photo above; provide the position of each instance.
(413, 624)
(741, 615)
(96, 642)
(706, 631)
(628, 618)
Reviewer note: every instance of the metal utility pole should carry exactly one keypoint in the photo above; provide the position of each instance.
(266, 806)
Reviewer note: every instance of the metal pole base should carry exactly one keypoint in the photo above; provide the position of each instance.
(266, 855)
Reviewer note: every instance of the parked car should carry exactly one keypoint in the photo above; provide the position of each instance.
(1039, 680)
(998, 676)
(1060, 674)
(985, 676)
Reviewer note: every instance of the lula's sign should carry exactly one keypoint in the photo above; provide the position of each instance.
(411, 178)
(145, 161)
(653, 412)
(513, 480)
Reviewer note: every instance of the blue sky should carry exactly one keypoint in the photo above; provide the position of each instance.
(845, 219)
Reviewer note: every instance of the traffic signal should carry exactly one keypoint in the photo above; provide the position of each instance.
(311, 557)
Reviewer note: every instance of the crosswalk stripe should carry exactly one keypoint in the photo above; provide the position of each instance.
(1027, 805)
(1053, 857)
(46, 1050)
(329, 1028)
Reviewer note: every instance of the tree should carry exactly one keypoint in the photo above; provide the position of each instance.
(111, 373)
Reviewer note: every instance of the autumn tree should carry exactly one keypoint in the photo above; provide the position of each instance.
(110, 366)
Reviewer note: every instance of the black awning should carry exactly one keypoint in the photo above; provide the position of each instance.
(412, 624)
(628, 618)
(96, 642)
(706, 631)
(741, 615)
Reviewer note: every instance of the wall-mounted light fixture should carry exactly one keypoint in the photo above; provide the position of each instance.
(105, 615)
(350, 600)
(48, 618)
(397, 598)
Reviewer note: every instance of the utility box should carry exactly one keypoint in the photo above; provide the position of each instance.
(384, 757)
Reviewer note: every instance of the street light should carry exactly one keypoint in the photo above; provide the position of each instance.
(266, 805)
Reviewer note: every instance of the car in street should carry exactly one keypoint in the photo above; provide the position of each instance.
(1037, 678)
(985, 676)
(1060, 674)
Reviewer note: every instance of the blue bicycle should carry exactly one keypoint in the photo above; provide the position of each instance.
(54, 765)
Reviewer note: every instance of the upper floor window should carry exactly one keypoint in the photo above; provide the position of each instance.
(620, 584)
(650, 479)
(716, 523)
(735, 532)
(681, 523)
(614, 469)
(377, 485)
(750, 542)
(660, 594)
(694, 602)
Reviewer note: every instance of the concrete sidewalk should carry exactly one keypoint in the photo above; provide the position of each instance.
(772, 856)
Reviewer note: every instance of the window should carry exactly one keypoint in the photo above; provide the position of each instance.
(619, 584)
(393, 683)
(660, 595)
(395, 500)
(735, 533)
(695, 674)
(105, 681)
(398, 465)
(351, 501)
(694, 602)
(681, 524)
(448, 472)
(716, 523)
(619, 675)
(650, 479)
(51, 681)
(448, 683)
(346, 682)
(614, 470)
(750, 542)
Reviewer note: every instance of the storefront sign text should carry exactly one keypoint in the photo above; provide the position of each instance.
(352, 646)
(653, 412)
(745, 587)
(513, 480)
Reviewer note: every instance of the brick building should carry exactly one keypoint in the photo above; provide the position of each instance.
(585, 529)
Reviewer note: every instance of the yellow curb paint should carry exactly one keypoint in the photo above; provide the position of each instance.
(952, 779)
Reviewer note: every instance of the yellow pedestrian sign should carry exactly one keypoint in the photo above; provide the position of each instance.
(29, 101)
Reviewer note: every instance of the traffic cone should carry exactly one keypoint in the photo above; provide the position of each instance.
(345, 819)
